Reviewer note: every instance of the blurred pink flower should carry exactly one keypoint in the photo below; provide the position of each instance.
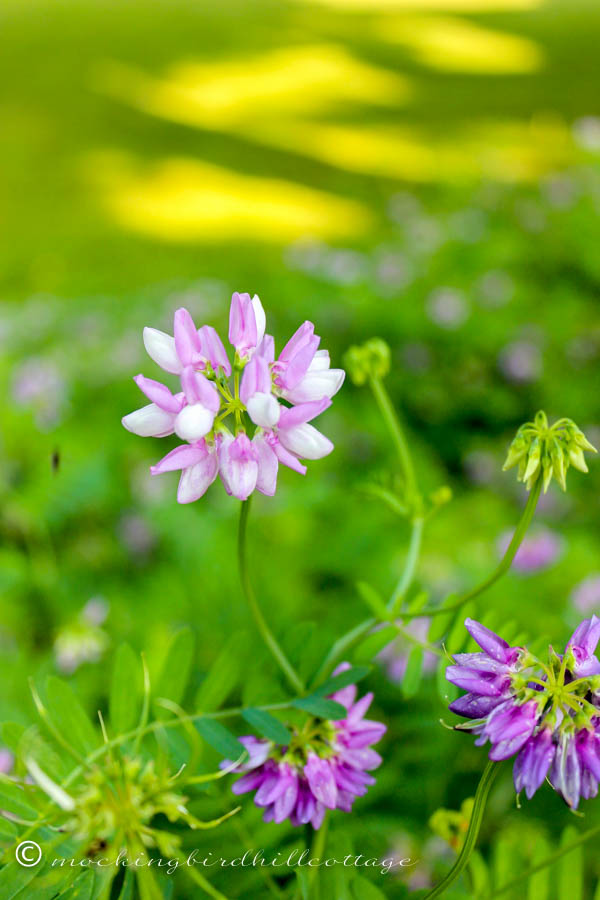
(586, 594)
(538, 551)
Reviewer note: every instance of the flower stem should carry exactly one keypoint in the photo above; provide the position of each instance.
(550, 860)
(392, 421)
(261, 624)
(504, 565)
(316, 852)
(481, 795)
(414, 548)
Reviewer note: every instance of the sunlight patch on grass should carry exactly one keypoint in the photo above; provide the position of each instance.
(235, 92)
(475, 6)
(182, 199)
(457, 45)
(508, 151)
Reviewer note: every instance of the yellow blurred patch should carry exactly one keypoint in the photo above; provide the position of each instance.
(182, 199)
(461, 46)
(508, 151)
(235, 93)
(375, 6)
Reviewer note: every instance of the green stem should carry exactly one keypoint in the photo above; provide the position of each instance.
(390, 417)
(316, 852)
(586, 836)
(481, 795)
(266, 633)
(408, 572)
(503, 567)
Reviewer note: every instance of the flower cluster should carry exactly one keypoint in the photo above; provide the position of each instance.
(547, 713)
(547, 450)
(274, 399)
(326, 765)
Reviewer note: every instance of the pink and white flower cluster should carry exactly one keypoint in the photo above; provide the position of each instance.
(273, 399)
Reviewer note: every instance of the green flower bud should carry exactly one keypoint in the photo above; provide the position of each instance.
(369, 360)
(547, 451)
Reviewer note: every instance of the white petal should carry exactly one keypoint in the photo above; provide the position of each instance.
(196, 480)
(264, 410)
(161, 348)
(316, 385)
(150, 421)
(193, 422)
(260, 318)
(305, 441)
(320, 361)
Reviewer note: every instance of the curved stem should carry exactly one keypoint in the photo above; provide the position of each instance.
(550, 860)
(390, 417)
(266, 633)
(511, 551)
(408, 573)
(481, 795)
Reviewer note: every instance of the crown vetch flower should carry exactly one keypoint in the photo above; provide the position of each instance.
(547, 714)
(326, 765)
(243, 431)
(547, 451)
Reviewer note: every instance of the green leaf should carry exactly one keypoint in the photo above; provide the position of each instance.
(220, 738)
(538, 886)
(570, 868)
(34, 746)
(14, 799)
(341, 680)
(11, 733)
(374, 643)
(223, 675)
(374, 601)
(81, 889)
(67, 715)
(362, 889)
(125, 691)
(418, 602)
(176, 667)
(320, 707)
(8, 830)
(412, 674)
(126, 892)
(441, 623)
(480, 878)
(267, 725)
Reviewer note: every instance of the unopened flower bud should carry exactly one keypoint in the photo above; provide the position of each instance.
(369, 360)
(545, 450)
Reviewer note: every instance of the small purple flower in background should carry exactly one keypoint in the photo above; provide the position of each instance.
(275, 399)
(545, 714)
(521, 361)
(447, 307)
(395, 655)
(326, 765)
(39, 385)
(586, 595)
(6, 761)
(537, 551)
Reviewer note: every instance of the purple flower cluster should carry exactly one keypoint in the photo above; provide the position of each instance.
(301, 377)
(326, 765)
(547, 713)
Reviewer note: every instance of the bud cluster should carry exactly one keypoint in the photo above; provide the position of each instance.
(547, 451)
(369, 360)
